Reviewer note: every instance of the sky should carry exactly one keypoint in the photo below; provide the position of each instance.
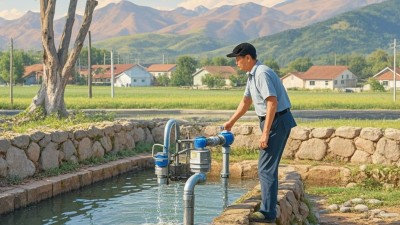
(13, 9)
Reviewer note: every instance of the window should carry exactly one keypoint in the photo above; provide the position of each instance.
(385, 83)
(347, 76)
(326, 83)
(312, 83)
(134, 80)
(342, 81)
(335, 81)
(142, 81)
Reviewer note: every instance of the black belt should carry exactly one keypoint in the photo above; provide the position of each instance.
(277, 114)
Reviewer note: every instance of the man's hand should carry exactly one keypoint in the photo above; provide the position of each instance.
(263, 142)
(228, 126)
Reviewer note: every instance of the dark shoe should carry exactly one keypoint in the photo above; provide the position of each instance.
(260, 217)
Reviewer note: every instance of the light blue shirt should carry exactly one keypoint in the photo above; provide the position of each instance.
(262, 83)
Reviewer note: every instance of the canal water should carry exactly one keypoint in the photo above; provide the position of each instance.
(130, 199)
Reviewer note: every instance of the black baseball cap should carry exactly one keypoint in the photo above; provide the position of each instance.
(242, 50)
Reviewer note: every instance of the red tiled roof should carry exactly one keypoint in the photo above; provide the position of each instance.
(387, 74)
(104, 71)
(38, 68)
(161, 67)
(323, 72)
(297, 74)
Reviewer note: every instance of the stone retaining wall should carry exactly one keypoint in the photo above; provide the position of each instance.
(291, 207)
(23, 155)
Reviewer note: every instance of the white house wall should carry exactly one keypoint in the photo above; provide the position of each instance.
(134, 77)
(197, 78)
(292, 81)
(390, 83)
(319, 84)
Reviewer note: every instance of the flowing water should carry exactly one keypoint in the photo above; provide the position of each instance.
(132, 198)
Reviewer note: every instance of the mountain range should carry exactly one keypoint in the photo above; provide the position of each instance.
(218, 27)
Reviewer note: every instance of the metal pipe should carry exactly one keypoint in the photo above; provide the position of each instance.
(167, 134)
(188, 197)
(225, 161)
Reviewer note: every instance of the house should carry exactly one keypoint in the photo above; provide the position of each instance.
(224, 71)
(33, 74)
(385, 77)
(124, 75)
(324, 77)
(161, 69)
(293, 80)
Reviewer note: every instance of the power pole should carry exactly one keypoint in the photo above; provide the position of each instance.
(112, 74)
(394, 69)
(11, 72)
(90, 66)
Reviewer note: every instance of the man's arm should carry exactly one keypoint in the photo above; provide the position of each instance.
(272, 105)
(242, 108)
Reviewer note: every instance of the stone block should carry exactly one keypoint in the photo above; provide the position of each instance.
(85, 177)
(6, 202)
(64, 183)
(38, 191)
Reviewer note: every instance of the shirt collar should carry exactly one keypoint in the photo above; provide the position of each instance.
(254, 69)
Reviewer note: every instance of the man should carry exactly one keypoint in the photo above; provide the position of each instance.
(265, 90)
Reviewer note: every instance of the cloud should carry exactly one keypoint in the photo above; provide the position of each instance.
(11, 14)
(191, 4)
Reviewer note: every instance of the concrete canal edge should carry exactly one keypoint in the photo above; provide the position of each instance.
(33, 192)
(290, 197)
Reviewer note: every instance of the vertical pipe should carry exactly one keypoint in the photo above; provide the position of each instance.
(188, 197)
(225, 161)
(112, 74)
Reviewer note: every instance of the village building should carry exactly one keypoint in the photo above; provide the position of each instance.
(385, 77)
(224, 71)
(158, 70)
(33, 74)
(125, 75)
(322, 77)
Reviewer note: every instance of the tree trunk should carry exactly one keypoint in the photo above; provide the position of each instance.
(58, 64)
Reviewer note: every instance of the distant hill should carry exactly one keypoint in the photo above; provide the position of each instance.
(227, 23)
(361, 31)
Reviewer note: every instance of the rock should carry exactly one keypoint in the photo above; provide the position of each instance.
(3, 168)
(33, 152)
(59, 136)
(4, 145)
(68, 148)
(374, 202)
(333, 207)
(361, 208)
(98, 150)
(342, 147)
(357, 201)
(393, 134)
(363, 167)
(85, 149)
(348, 132)
(21, 141)
(347, 204)
(370, 133)
(365, 145)
(322, 132)
(314, 149)
(106, 143)
(345, 209)
(18, 164)
(361, 157)
(300, 133)
(37, 136)
(388, 148)
(49, 157)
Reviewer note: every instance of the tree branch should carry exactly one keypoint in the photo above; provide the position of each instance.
(66, 36)
(47, 17)
(74, 53)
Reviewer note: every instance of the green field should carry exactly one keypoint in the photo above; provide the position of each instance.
(180, 98)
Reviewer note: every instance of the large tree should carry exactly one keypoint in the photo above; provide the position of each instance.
(59, 63)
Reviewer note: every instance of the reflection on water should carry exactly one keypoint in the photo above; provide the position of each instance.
(132, 198)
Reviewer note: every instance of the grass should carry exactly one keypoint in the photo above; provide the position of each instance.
(339, 195)
(179, 98)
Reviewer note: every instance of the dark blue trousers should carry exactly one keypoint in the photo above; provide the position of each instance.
(268, 162)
